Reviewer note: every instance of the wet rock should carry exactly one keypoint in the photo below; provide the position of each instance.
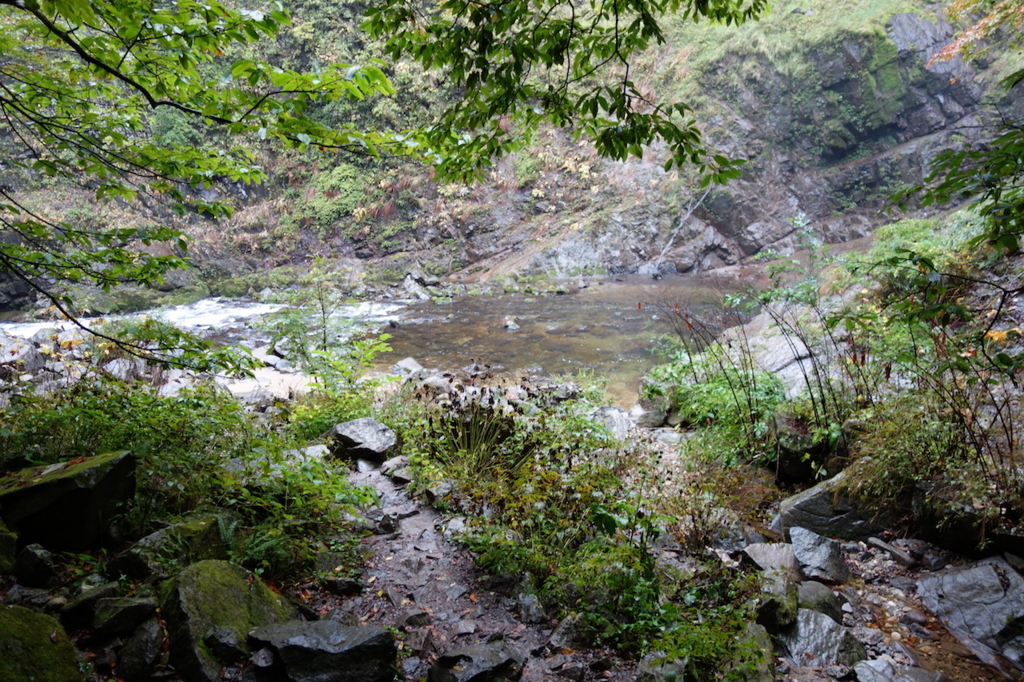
(226, 644)
(120, 616)
(33, 646)
(327, 651)
(489, 662)
(881, 670)
(816, 640)
(68, 506)
(195, 538)
(141, 653)
(818, 597)
(80, 611)
(406, 367)
(34, 566)
(982, 605)
(819, 557)
(657, 667)
(211, 594)
(363, 438)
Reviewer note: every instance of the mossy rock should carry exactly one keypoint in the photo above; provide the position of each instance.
(194, 538)
(34, 646)
(215, 594)
(8, 549)
(69, 505)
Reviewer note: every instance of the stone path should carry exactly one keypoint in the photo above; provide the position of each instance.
(430, 589)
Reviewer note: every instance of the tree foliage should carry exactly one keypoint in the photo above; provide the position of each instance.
(521, 62)
(80, 81)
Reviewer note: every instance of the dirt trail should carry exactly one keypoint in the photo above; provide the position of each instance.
(430, 589)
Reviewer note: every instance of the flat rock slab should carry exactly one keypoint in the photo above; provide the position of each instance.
(982, 605)
(327, 651)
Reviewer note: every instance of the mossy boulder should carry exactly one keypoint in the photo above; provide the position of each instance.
(69, 505)
(8, 549)
(215, 594)
(34, 646)
(196, 537)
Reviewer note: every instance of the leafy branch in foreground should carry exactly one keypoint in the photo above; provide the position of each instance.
(520, 63)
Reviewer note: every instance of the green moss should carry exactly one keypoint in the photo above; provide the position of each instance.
(35, 647)
(53, 472)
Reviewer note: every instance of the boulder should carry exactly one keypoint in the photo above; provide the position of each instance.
(819, 557)
(816, 640)
(8, 549)
(982, 605)
(798, 447)
(488, 662)
(138, 658)
(80, 612)
(34, 566)
(826, 509)
(363, 438)
(778, 602)
(818, 597)
(120, 616)
(195, 537)
(68, 506)
(212, 594)
(33, 646)
(615, 419)
(774, 556)
(327, 651)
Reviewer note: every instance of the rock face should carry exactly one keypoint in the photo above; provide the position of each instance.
(212, 594)
(68, 506)
(363, 438)
(33, 646)
(327, 651)
(982, 605)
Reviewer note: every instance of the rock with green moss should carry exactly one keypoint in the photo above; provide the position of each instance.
(215, 594)
(69, 505)
(195, 537)
(33, 646)
(8, 549)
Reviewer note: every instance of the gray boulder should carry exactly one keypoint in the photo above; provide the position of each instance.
(68, 506)
(33, 646)
(826, 509)
(778, 603)
(138, 658)
(982, 605)
(194, 538)
(34, 566)
(489, 662)
(615, 419)
(818, 597)
(816, 640)
(80, 611)
(774, 556)
(327, 651)
(120, 616)
(363, 438)
(819, 557)
(214, 594)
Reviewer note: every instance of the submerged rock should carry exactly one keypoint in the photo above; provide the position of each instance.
(33, 646)
(68, 506)
(212, 594)
(327, 651)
